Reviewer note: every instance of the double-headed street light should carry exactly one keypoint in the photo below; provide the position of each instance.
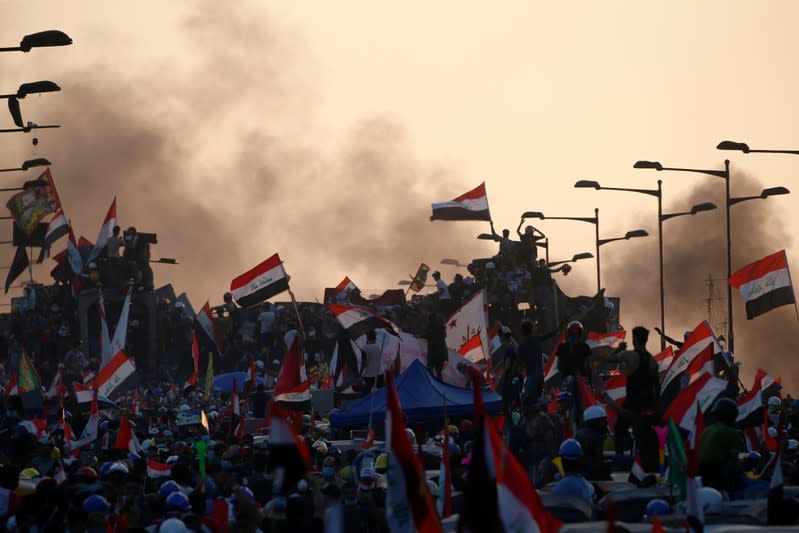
(574, 259)
(597, 241)
(743, 147)
(40, 39)
(453, 262)
(657, 193)
(30, 163)
(34, 87)
(728, 202)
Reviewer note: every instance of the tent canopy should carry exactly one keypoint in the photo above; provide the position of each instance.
(422, 398)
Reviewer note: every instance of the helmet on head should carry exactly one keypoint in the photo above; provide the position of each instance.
(710, 500)
(565, 396)
(96, 504)
(793, 444)
(571, 449)
(594, 412)
(168, 488)
(178, 501)
(411, 435)
(574, 329)
(87, 472)
(173, 525)
(774, 401)
(320, 447)
(381, 463)
(657, 507)
(118, 468)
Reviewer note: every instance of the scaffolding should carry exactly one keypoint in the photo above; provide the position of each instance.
(716, 302)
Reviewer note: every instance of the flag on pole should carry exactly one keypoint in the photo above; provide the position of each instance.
(420, 278)
(105, 337)
(57, 228)
(409, 504)
(92, 428)
(358, 321)
(195, 358)
(472, 349)
(470, 320)
(106, 231)
(472, 205)
(19, 265)
(287, 449)
(702, 392)
(699, 339)
(121, 331)
(158, 470)
(345, 286)
(112, 377)
(292, 383)
(12, 388)
(28, 378)
(31, 205)
(765, 284)
(260, 283)
(207, 324)
(57, 386)
(610, 339)
(665, 359)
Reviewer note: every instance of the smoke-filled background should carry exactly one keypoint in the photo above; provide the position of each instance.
(324, 132)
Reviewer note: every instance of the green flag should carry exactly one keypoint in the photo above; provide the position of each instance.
(28, 379)
(202, 447)
(420, 278)
(677, 459)
(209, 374)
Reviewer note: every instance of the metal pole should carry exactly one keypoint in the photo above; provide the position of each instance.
(730, 331)
(598, 280)
(660, 260)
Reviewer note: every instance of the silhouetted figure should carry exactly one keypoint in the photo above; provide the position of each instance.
(436, 335)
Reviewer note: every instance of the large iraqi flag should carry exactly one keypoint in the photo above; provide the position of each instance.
(472, 205)
(765, 284)
(260, 283)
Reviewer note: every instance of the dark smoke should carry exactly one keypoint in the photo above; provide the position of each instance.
(695, 246)
(199, 154)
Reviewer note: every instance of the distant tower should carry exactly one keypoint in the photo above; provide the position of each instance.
(716, 314)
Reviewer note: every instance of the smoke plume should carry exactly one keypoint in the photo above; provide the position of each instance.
(211, 156)
(695, 248)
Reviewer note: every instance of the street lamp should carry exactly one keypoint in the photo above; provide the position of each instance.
(725, 175)
(743, 147)
(30, 163)
(574, 259)
(598, 242)
(34, 87)
(40, 39)
(453, 262)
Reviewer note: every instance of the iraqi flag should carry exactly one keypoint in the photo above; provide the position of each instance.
(287, 449)
(292, 383)
(156, 470)
(207, 324)
(764, 284)
(499, 490)
(92, 428)
(700, 338)
(472, 205)
(106, 231)
(126, 438)
(260, 283)
(115, 375)
(702, 393)
(665, 358)
(750, 407)
(409, 504)
(57, 228)
(357, 320)
(84, 396)
(345, 286)
(470, 320)
(610, 339)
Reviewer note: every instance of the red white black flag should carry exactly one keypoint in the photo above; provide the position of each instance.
(472, 205)
(260, 283)
(765, 284)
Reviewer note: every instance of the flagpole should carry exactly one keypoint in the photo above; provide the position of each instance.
(296, 310)
(790, 280)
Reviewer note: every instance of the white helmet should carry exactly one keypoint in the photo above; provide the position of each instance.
(173, 525)
(411, 435)
(793, 444)
(710, 500)
(184, 407)
(772, 432)
(594, 412)
(774, 401)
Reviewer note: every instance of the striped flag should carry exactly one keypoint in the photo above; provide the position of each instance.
(260, 283)
(699, 339)
(292, 383)
(111, 378)
(207, 324)
(156, 470)
(57, 228)
(195, 357)
(765, 284)
(610, 339)
(472, 205)
(702, 393)
(106, 231)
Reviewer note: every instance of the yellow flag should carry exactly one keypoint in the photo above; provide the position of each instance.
(209, 375)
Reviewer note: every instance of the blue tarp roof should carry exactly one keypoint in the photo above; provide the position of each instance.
(421, 397)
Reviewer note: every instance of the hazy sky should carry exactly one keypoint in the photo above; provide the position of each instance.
(323, 130)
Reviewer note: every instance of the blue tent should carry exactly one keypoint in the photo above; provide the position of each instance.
(224, 382)
(421, 397)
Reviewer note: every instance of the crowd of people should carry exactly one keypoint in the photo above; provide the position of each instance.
(156, 465)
